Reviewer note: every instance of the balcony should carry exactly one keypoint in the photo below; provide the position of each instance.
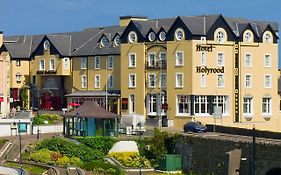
(156, 65)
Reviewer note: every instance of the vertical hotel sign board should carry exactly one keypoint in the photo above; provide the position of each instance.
(236, 82)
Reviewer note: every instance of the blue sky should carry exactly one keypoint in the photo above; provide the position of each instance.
(52, 16)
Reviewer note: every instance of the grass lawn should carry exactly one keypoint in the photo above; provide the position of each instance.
(2, 143)
(30, 168)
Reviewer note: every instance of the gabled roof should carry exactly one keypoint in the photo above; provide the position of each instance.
(90, 109)
(61, 43)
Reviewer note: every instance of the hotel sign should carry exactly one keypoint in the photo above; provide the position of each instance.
(207, 70)
(46, 72)
(206, 48)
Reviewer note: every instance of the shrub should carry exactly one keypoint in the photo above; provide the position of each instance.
(64, 160)
(103, 144)
(51, 118)
(130, 159)
(102, 167)
(42, 155)
(71, 149)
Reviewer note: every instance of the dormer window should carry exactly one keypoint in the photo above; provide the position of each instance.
(162, 36)
(117, 40)
(151, 36)
(46, 45)
(179, 34)
(220, 37)
(132, 37)
(267, 37)
(103, 41)
(248, 37)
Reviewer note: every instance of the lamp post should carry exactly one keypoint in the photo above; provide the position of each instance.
(140, 133)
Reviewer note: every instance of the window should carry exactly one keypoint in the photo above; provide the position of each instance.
(151, 59)
(151, 36)
(162, 81)
(151, 80)
(66, 63)
(50, 83)
(97, 81)
(152, 104)
(179, 80)
(42, 65)
(248, 80)
(162, 58)
(110, 62)
(201, 104)
(17, 62)
(220, 37)
(220, 79)
(132, 80)
(84, 63)
(97, 62)
(248, 37)
(83, 81)
(132, 104)
(267, 60)
(104, 41)
(220, 59)
(18, 77)
(267, 37)
(267, 81)
(117, 40)
(179, 58)
(266, 105)
(203, 80)
(110, 81)
(52, 64)
(248, 106)
(179, 34)
(132, 60)
(132, 37)
(203, 58)
(183, 105)
(162, 36)
(222, 101)
(248, 60)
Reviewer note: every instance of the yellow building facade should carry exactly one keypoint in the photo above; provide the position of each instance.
(171, 70)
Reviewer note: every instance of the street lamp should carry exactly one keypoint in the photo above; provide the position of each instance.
(19, 131)
(140, 133)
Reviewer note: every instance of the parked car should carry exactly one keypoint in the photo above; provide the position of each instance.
(194, 127)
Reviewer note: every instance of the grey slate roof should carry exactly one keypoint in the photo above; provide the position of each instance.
(93, 93)
(86, 42)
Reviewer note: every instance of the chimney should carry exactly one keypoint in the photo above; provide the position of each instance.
(124, 20)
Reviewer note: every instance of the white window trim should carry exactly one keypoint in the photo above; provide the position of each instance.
(129, 61)
(97, 86)
(95, 64)
(161, 60)
(111, 57)
(148, 59)
(83, 58)
(177, 106)
(270, 79)
(130, 104)
(40, 68)
(82, 84)
(270, 60)
(176, 34)
(50, 65)
(218, 58)
(176, 82)
(176, 59)
(154, 75)
(252, 107)
(129, 82)
(203, 63)
(110, 86)
(200, 104)
(251, 81)
(218, 80)
(160, 80)
(251, 60)
(201, 82)
(270, 104)
(66, 60)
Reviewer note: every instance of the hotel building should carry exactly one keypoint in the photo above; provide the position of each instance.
(170, 70)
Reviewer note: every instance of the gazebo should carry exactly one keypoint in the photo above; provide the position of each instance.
(90, 119)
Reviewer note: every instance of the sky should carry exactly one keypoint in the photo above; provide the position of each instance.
(29, 17)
